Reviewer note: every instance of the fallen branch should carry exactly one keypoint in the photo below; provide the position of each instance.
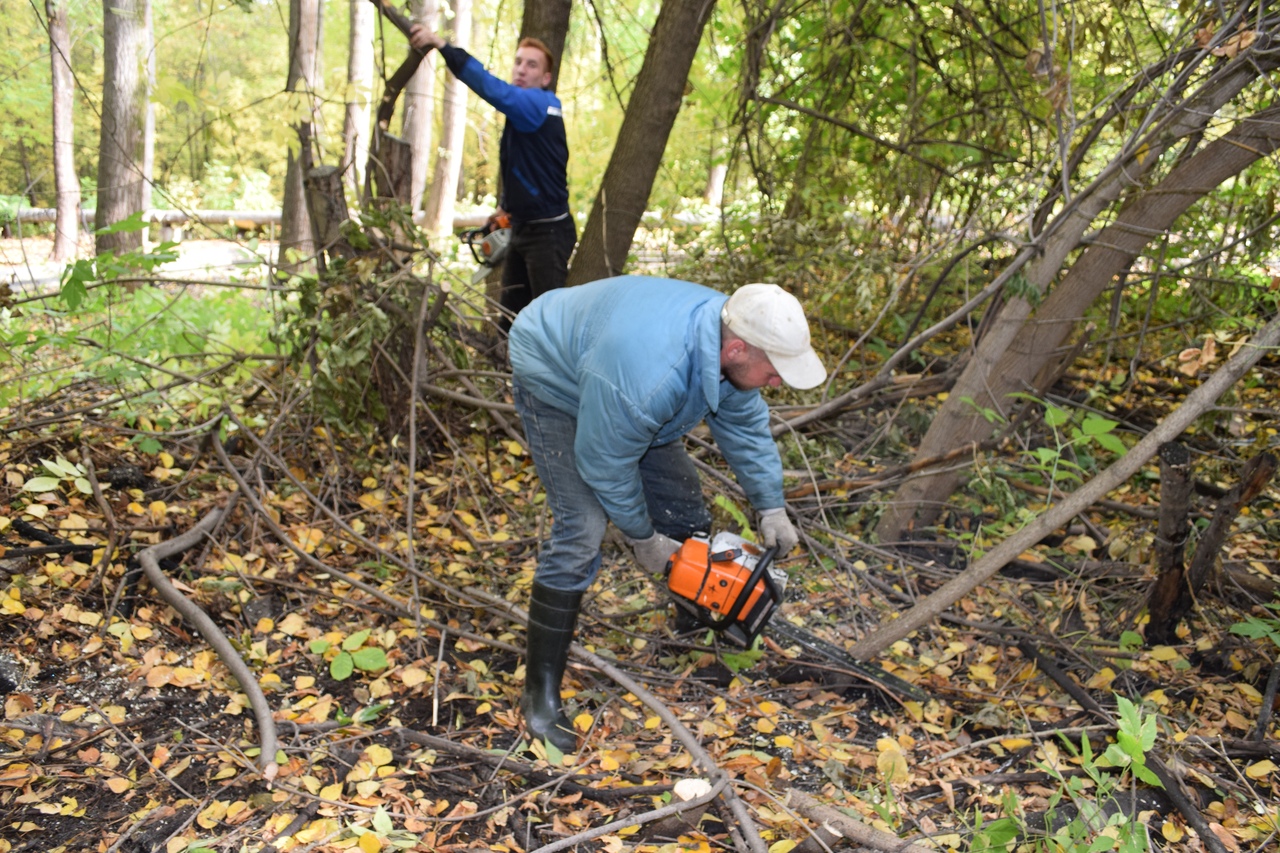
(890, 474)
(1196, 403)
(524, 768)
(1114, 506)
(850, 828)
(150, 559)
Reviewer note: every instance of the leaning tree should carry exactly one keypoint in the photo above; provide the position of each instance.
(1177, 133)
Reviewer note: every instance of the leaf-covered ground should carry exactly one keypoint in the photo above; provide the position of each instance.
(394, 671)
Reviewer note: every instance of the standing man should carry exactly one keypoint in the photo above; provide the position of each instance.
(533, 160)
(607, 377)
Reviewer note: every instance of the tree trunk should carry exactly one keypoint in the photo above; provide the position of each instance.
(419, 103)
(120, 185)
(149, 118)
(65, 181)
(642, 140)
(1171, 539)
(453, 127)
(327, 207)
(295, 223)
(355, 126)
(548, 21)
(1017, 347)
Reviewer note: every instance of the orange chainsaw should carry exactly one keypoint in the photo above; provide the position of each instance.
(732, 587)
(488, 245)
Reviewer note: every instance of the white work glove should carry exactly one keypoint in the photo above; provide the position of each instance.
(776, 529)
(654, 552)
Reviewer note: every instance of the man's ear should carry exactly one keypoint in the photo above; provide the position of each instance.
(732, 350)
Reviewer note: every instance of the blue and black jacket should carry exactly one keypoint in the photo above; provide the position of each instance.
(534, 154)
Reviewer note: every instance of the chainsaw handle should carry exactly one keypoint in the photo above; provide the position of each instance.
(760, 571)
(470, 238)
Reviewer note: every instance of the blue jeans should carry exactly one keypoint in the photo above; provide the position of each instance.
(570, 560)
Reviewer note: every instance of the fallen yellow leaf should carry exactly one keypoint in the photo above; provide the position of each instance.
(1260, 769)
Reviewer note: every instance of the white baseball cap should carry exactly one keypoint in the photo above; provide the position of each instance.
(766, 316)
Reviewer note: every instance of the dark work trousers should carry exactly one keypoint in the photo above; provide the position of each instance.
(537, 261)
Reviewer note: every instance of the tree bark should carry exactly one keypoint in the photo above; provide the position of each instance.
(327, 207)
(1195, 404)
(419, 105)
(1171, 539)
(642, 140)
(120, 185)
(548, 21)
(453, 127)
(1009, 356)
(149, 117)
(295, 223)
(65, 181)
(355, 126)
(1255, 477)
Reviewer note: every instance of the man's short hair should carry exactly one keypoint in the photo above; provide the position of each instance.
(530, 41)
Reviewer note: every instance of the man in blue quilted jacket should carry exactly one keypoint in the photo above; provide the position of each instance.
(533, 158)
(607, 377)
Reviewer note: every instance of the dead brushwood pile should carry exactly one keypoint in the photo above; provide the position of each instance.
(371, 587)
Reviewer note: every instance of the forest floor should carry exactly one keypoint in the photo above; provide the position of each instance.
(379, 611)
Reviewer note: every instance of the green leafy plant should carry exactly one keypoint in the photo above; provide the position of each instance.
(60, 472)
(1096, 822)
(1260, 627)
(736, 513)
(352, 654)
(745, 659)
(1077, 435)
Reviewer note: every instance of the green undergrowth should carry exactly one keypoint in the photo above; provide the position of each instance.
(133, 347)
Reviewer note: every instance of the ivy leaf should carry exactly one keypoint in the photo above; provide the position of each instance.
(1055, 417)
(341, 667)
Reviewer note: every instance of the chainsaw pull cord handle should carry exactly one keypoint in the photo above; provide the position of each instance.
(760, 571)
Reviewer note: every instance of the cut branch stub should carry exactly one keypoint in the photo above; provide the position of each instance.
(1171, 539)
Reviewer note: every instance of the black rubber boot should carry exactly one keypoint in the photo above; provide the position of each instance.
(552, 615)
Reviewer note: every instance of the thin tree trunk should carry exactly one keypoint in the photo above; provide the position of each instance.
(548, 21)
(438, 209)
(120, 185)
(419, 105)
(295, 223)
(642, 140)
(355, 127)
(65, 181)
(149, 120)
